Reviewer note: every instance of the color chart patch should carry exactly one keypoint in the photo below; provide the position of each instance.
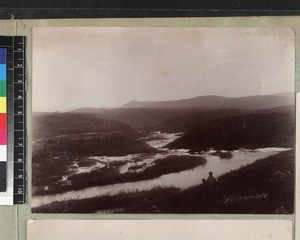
(3, 119)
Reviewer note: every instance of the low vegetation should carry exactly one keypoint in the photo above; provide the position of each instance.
(108, 204)
(110, 175)
(264, 187)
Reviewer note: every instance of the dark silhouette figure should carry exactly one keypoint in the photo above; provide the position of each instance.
(204, 192)
(212, 185)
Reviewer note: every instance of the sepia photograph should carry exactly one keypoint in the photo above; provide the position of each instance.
(159, 229)
(163, 120)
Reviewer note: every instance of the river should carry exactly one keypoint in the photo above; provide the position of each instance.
(183, 179)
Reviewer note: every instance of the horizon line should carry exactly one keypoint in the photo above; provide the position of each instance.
(209, 95)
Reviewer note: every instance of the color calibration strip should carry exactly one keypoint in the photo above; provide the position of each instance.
(13, 103)
(7, 197)
(3, 119)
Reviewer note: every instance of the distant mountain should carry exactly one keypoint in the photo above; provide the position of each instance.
(218, 102)
(170, 120)
(144, 104)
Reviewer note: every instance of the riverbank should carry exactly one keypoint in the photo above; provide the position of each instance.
(111, 174)
(266, 186)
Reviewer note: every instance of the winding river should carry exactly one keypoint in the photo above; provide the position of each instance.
(182, 180)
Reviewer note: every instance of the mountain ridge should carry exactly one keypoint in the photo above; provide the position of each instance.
(213, 101)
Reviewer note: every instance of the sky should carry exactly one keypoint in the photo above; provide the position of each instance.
(106, 67)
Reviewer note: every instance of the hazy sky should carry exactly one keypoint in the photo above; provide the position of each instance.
(107, 67)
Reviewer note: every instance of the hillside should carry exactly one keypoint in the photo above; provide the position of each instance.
(195, 119)
(182, 115)
(218, 102)
(47, 125)
(246, 131)
(83, 134)
(165, 120)
(192, 120)
(138, 118)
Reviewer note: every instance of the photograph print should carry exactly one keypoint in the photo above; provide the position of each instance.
(163, 120)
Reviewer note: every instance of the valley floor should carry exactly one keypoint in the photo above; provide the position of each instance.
(266, 186)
